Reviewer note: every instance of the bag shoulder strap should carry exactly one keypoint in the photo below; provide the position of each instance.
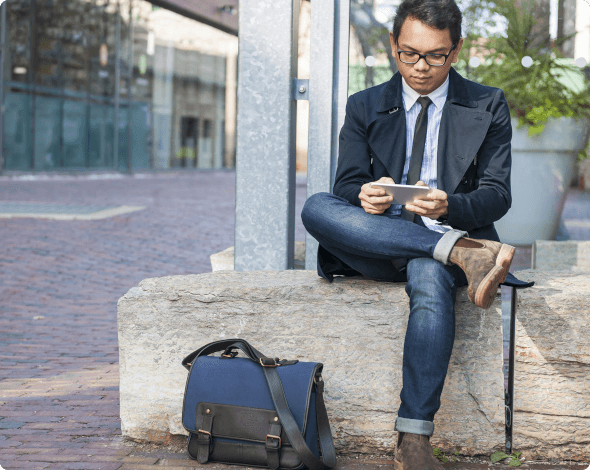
(289, 424)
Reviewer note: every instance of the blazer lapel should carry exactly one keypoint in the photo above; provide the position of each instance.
(386, 133)
(462, 131)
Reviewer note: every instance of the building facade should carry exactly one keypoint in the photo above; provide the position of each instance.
(114, 85)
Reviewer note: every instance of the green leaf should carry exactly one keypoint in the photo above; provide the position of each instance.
(498, 455)
(515, 462)
(439, 454)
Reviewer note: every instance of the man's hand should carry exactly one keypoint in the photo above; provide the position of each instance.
(374, 200)
(433, 205)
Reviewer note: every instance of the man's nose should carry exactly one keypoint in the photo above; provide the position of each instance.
(421, 64)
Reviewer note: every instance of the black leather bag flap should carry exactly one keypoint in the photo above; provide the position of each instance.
(239, 422)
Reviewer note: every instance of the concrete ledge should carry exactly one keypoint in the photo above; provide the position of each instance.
(561, 256)
(356, 327)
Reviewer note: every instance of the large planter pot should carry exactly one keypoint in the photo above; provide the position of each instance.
(542, 169)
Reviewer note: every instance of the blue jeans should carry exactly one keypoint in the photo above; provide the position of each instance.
(369, 243)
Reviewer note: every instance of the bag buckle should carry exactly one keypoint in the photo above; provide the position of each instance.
(270, 444)
(208, 435)
(228, 354)
(268, 362)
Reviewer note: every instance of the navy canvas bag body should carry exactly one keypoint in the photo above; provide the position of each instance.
(255, 410)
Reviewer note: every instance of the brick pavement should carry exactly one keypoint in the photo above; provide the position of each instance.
(59, 284)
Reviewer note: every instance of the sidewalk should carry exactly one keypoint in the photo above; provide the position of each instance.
(59, 284)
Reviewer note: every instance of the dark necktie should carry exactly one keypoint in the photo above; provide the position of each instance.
(418, 149)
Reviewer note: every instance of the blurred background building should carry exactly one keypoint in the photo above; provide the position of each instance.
(118, 85)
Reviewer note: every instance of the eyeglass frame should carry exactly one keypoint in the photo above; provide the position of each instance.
(425, 56)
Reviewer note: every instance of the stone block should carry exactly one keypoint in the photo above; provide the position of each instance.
(224, 260)
(356, 328)
(560, 256)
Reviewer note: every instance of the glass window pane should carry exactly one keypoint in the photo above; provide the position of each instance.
(18, 58)
(101, 48)
(47, 133)
(17, 131)
(101, 132)
(141, 137)
(74, 134)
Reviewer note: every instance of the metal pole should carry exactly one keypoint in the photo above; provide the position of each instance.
(265, 167)
(508, 352)
(328, 86)
(2, 58)
(117, 98)
(129, 93)
(340, 93)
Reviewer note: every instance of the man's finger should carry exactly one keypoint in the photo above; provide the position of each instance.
(415, 209)
(424, 204)
(380, 207)
(385, 179)
(374, 192)
(372, 209)
(380, 200)
(437, 194)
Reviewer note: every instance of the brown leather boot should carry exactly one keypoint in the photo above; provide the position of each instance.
(414, 453)
(485, 264)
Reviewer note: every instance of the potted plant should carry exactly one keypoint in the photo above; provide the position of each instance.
(550, 117)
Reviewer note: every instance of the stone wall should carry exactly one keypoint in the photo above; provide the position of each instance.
(356, 328)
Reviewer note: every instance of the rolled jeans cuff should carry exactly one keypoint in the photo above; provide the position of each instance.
(414, 426)
(443, 248)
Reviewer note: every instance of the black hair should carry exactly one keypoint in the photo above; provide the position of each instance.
(440, 14)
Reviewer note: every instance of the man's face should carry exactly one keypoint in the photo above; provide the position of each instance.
(415, 36)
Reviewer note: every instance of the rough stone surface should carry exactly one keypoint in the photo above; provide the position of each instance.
(561, 256)
(552, 386)
(356, 327)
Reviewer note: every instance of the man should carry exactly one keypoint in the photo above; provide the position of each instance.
(428, 124)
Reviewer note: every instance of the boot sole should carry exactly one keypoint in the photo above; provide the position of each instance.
(397, 465)
(487, 289)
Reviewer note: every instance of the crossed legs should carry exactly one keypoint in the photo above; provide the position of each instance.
(369, 243)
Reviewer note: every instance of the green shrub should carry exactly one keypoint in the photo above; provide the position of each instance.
(534, 93)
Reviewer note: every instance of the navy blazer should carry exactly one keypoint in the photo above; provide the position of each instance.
(473, 160)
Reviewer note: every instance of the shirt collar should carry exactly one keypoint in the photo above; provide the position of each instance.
(438, 96)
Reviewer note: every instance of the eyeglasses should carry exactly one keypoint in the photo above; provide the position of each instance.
(435, 60)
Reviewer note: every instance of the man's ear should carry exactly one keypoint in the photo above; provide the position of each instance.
(392, 42)
(455, 56)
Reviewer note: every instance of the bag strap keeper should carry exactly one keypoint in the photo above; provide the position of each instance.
(204, 438)
(272, 445)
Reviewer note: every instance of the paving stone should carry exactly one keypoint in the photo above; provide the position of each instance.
(5, 424)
